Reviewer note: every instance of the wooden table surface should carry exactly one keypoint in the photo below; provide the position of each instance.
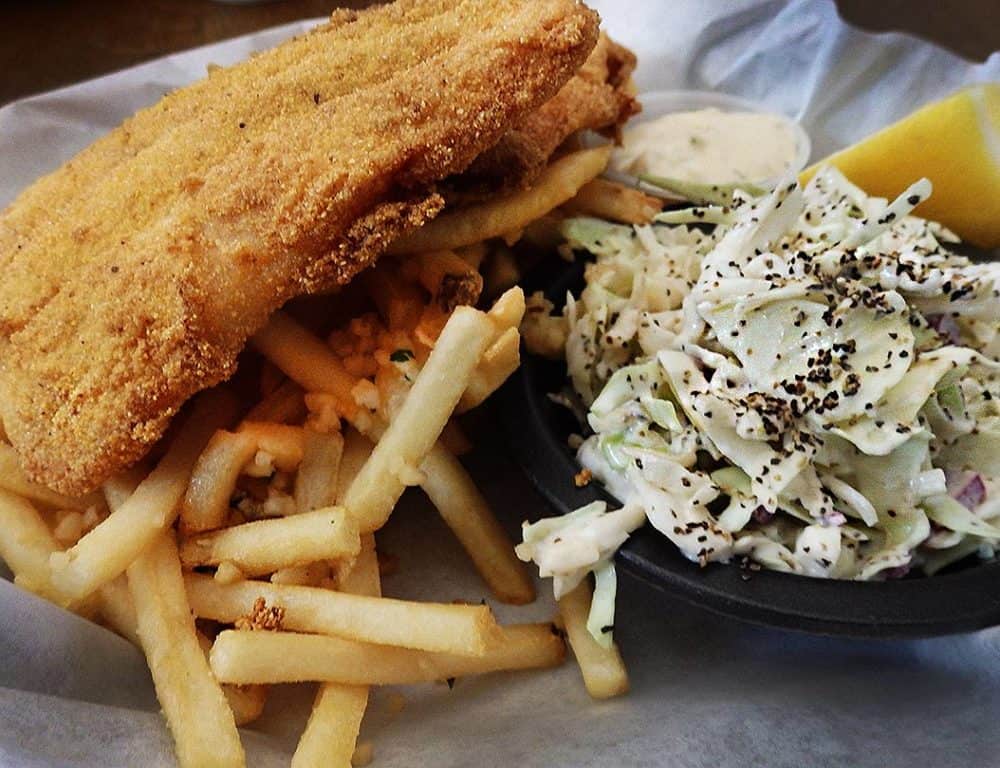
(48, 43)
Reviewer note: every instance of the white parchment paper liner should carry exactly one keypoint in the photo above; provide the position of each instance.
(707, 692)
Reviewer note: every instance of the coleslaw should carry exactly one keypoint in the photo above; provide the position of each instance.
(810, 382)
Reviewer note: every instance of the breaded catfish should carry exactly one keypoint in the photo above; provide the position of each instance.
(134, 274)
(599, 97)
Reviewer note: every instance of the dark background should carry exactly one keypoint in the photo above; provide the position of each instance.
(48, 43)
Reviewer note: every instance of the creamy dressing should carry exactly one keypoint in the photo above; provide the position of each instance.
(709, 146)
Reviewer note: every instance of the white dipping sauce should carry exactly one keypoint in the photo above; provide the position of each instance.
(709, 146)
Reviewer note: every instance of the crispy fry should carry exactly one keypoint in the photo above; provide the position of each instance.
(265, 546)
(316, 481)
(332, 731)
(305, 359)
(108, 549)
(283, 443)
(323, 413)
(228, 573)
(213, 480)
(114, 602)
(467, 513)
(26, 545)
(399, 301)
(611, 200)
(331, 734)
(449, 279)
(199, 717)
(432, 322)
(357, 449)
(459, 629)
(545, 234)
(465, 226)
(118, 488)
(498, 363)
(473, 255)
(285, 405)
(273, 657)
(310, 575)
(603, 671)
(414, 430)
(245, 701)
(507, 311)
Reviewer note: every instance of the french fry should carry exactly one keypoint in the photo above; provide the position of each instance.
(114, 602)
(467, 513)
(305, 359)
(109, 548)
(285, 405)
(316, 481)
(284, 657)
(507, 312)
(310, 575)
(545, 234)
(611, 200)
(465, 226)
(26, 545)
(331, 734)
(332, 730)
(498, 363)
(245, 701)
(114, 599)
(283, 443)
(432, 321)
(13, 479)
(603, 670)
(357, 449)
(414, 430)
(449, 279)
(228, 573)
(399, 301)
(473, 255)
(118, 488)
(265, 546)
(323, 412)
(213, 480)
(195, 707)
(459, 629)
(364, 579)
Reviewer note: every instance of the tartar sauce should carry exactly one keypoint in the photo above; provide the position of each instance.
(709, 146)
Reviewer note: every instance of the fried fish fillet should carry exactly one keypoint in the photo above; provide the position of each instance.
(599, 97)
(134, 274)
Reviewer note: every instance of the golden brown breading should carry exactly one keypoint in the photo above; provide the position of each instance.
(134, 274)
(599, 97)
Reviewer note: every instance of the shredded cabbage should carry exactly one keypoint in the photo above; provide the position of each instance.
(785, 378)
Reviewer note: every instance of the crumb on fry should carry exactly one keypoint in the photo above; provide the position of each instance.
(262, 617)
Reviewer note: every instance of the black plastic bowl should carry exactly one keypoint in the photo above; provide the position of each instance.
(964, 599)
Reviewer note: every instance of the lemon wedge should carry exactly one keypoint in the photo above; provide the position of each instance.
(955, 143)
